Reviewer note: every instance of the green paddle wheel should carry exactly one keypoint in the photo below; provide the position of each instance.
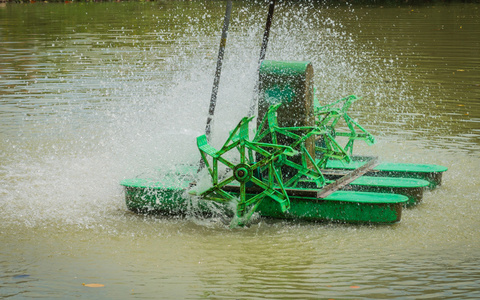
(293, 163)
(328, 117)
(237, 155)
(261, 164)
(276, 159)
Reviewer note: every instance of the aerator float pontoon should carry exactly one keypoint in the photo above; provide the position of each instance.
(292, 166)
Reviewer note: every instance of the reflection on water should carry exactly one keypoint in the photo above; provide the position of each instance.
(94, 93)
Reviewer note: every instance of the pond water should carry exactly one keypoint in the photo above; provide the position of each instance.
(92, 93)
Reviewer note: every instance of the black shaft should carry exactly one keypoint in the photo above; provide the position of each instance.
(263, 51)
(266, 32)
(218, 70)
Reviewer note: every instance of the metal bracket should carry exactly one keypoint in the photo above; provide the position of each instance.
(351, 176)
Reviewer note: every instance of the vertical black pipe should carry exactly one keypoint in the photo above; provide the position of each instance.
(263, 51)
(216, 81)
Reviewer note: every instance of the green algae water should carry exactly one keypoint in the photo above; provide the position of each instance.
(94, 93)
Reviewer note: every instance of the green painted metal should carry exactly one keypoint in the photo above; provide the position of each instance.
(341, 206)
(328, 117)
(390, 182)
(284, 68)
(156, 196)
(428, 172)
(289, 84)
(264, 169)
(408, 167)
(349, 207)
(266, 173)
(245, 170)
(255, 165)
(269, 130)
(410, 187)
(279, 171)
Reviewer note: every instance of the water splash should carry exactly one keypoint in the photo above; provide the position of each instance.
(111, 105)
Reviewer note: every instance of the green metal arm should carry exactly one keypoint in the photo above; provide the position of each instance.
(243, 170)
(306, 169)
(329, 115)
